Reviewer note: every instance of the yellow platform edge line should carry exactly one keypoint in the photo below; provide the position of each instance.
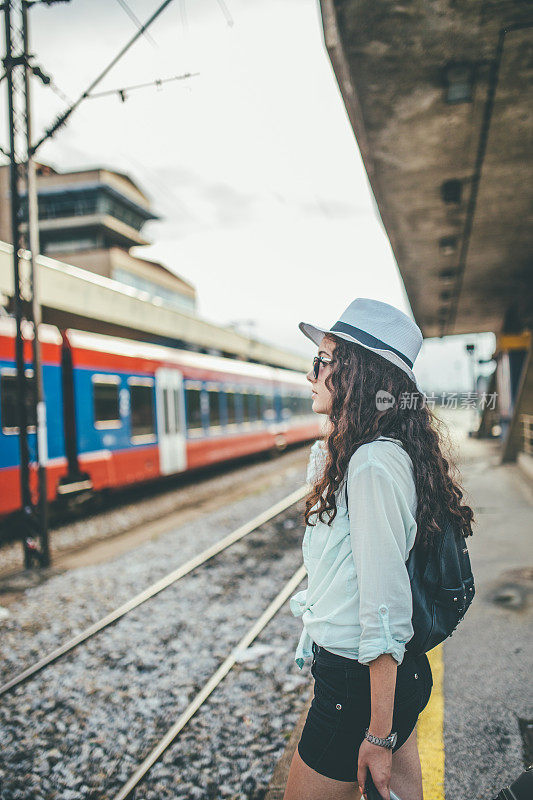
(430, 732)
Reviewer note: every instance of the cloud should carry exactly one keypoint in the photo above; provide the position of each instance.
(332, 209)
(191, 202)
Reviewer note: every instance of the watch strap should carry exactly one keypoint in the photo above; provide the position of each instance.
(388, 742)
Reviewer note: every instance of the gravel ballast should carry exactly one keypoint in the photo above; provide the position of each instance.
(79, 728)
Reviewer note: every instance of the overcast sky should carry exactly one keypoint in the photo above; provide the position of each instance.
(252, 164)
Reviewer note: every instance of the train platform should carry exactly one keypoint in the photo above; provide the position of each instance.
(476, 734)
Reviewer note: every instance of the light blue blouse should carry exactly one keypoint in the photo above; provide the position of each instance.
(358, 600)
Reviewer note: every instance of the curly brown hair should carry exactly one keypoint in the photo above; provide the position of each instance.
(356, 375)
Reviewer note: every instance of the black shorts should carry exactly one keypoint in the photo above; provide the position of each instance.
(340, 710)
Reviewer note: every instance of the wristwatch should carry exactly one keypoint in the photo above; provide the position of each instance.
(388, 743)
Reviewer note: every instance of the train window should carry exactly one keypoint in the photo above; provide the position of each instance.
(249, 406)
(166, 411)
(254, 407)
(105, 401)
(296, 405)
(194, 409)
(9, 403)
(285, 406)
(214, 407)
(305, 405)
(231, 408)
(142, 407)
(245, 409)
(239, 406)
(268, 408)
(260, 405)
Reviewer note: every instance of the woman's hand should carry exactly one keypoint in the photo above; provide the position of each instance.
(377, 760)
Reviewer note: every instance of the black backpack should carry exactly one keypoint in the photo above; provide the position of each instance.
(442, 587)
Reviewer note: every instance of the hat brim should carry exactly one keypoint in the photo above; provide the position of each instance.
(317, 334)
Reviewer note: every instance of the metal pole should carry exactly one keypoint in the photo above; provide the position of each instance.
(470, 349)
(17, 298)
(33, 241)
(30, 397)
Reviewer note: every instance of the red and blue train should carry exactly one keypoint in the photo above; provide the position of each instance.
(122, 412)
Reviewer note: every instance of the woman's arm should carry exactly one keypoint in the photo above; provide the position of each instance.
(379, 521)
(372, 756)
(382, 686)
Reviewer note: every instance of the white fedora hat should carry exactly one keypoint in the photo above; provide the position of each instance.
(379, 327)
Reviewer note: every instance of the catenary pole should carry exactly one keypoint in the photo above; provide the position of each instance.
(33, 241)
(14, 144)
(30, 398)
(30, 401)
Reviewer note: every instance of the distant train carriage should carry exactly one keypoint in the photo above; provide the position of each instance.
(122, 412)
(51, 348)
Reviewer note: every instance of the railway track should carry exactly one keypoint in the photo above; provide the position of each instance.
(154, 589)
(157, 750)
(127, 792)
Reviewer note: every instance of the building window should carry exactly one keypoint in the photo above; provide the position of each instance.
(83, 202)
(459, 82)
(170, 298)
(105, 398)
(9, 403)
(69, 245)
(142, 407)
(112, 206)
(65, 203)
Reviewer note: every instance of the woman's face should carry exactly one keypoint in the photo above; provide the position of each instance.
(322, 397)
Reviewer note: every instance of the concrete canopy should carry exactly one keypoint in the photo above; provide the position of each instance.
(439, 97)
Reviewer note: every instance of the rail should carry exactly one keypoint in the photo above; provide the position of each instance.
(156, 587)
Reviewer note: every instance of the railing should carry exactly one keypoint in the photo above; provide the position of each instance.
(527, 433)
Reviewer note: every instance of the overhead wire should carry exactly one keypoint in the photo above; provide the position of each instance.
(60, 121)
(131, 14)
(225, 11)
(122, 92)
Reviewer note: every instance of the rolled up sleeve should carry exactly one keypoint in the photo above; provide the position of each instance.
(379, 523)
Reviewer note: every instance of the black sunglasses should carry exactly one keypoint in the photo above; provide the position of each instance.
(317, 361)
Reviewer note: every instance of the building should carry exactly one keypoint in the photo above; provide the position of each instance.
(89, 279)
(90, 219)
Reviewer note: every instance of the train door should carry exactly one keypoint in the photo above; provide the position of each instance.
(170, 420)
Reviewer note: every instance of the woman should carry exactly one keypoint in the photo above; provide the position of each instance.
(379, 481)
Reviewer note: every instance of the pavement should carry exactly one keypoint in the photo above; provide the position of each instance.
(476, 734)
(488, 662)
